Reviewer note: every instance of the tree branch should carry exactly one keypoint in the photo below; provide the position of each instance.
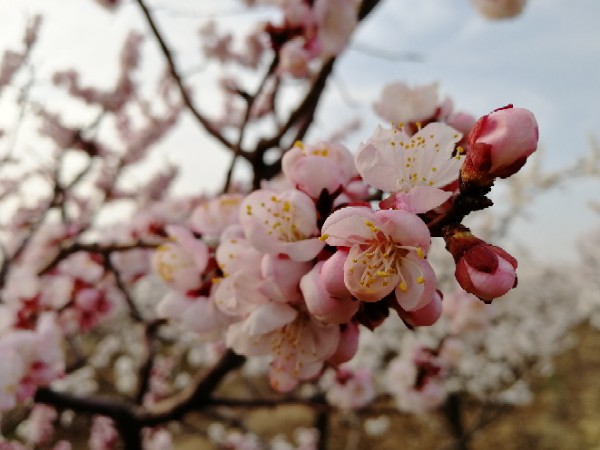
(187, 100)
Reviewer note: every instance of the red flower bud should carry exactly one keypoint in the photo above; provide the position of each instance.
(499, 145)
(482, 269)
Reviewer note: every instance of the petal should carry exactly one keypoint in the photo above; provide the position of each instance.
(421, 199)
(419, 283)
(346, 226)
(321, 304)
(379, 162)
(195, 247)
(272, 221)
(268, 317)
(404, 228)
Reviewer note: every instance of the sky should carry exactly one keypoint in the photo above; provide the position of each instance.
(547, 60)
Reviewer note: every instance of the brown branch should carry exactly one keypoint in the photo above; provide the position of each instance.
(131, 418)
(134, 312)
(187, 100)
(145, 370)
(196, 396)
(302, 116)
(237, 151)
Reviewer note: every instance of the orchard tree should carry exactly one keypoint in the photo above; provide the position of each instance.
(313, 272)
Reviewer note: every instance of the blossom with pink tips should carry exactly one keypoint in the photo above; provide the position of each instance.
(401, 104)
(415, 380)
(349, 389)
(197, 313)
(281, 223)
(336, 20)
(347, 345)
(387, 254)
(464, 312)
(251, 278)
(425, 316)
(36, 359)
(294, 58)
(297, 342)
(213, 216)
(321, 303)
(413, 168)
(180, 263)
(312, 168)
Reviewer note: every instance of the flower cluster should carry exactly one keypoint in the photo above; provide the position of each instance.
(291, 270)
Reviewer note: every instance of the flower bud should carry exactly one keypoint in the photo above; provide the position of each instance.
(347, 345)
(321, 303)
(499, 145)
(425, 316)
(482, 269)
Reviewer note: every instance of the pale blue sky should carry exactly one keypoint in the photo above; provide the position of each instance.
(547, 60)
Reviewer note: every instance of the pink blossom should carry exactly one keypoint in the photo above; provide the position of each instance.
(387, 254)
(10, 376)
(336, 21)
(332, 274)
(294, 59)
(181, 263)
(36, 359)
(465, 312)
(347, 346)
(425, 316)
(322, 304)
(312, 168)
(238, 291)
(212, 216)
(39, 426)
(297, 342)
(500, 144)
(347, 389)
(401, 104)
(103, 434)
(194, 312)
(251, 278)
(281, 223)
(415, 167)
(415, 381)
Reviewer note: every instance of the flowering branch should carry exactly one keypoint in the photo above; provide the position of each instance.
(187, 100)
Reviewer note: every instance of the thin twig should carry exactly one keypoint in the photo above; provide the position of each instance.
(187, 100)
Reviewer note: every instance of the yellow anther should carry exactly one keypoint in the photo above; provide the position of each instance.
(420, 253)
(324, 237)
(299, 144)
(420, 280)
(286, 206)
(403, 286)
(382, 273)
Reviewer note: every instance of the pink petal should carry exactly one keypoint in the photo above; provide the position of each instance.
(420, 283)
(421, 199)
(405, 228)
(346, 226)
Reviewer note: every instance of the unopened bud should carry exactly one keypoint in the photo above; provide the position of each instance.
(499, 145)
(482, 269)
